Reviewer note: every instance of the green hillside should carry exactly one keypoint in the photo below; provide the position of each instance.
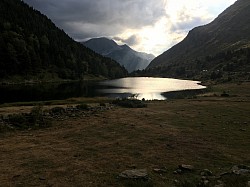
(32, 47)
(218, 50)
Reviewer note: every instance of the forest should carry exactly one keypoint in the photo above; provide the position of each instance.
(223, 66)
(31, 45)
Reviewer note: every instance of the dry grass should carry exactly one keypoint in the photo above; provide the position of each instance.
(207, 132)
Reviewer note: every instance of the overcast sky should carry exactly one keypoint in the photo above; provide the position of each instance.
(151, 26)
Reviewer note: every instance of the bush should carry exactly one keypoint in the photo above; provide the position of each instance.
(57, 110)
(82, 106)
(18, 120)
(130, 103)
(24, 121)
(36, 114)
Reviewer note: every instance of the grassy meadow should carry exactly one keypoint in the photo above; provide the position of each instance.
(209, 131)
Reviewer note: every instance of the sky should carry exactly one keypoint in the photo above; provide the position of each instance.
(150, 26)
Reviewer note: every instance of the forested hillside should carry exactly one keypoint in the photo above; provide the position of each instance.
(31, 46)
(218, 50)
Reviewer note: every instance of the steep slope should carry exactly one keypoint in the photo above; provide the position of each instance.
(32, 47)
(204, 45)
(129, 58)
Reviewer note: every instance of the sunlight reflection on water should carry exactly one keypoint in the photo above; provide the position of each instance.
(147, 87)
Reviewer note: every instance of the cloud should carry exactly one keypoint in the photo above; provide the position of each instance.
(186, 21)
(147, 25)
(131, 41)
(92, 18)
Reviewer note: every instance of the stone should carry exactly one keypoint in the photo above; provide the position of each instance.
(15, 176)
(178, 171)
(134, 174)
(203, 178)
(248, 184)
(185, 167)
(162, 170)
(42, 178)
(240, 169)
(176, 182)
(206, 182)
(219, 185)
(225, 173)
(241, 172)
(206, 172)
(236, 167)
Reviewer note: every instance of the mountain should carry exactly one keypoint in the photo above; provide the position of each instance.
(129, 58)
(221, 47)
(32, 47)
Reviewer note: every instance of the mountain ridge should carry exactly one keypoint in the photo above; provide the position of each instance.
(125, 55)
(227, 33)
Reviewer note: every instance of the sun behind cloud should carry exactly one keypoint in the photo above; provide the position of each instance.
(181, 16)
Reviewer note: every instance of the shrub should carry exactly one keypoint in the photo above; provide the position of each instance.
(82, 106)
(24, 121)
(36, 114)
(130, 103)
(102, 104)
(57, 110)
(18, 121)
(37, 118)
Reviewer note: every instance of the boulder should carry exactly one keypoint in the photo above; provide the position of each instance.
(185, 167)
(240, 169)
(206, 172)
(160, 170)
(134, 174)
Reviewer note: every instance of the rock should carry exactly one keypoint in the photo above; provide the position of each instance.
(162, 170)
(185, 167)
(5, 118)
(178, 171)
(206, 172)
(219, 185)
(241, 172)
(248, 184)
(170, 147)
(15, 176)
(203, 178)
(42, 178)
(240, 169)
(225, 173)
(236, 167)
(134, 174)
(176, 182)
(206, 182)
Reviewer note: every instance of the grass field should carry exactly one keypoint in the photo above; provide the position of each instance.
(207, 132)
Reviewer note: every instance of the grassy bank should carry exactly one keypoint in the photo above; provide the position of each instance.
(210, 131)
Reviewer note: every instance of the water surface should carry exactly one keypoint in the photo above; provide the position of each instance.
(148, 88)
(139, 87)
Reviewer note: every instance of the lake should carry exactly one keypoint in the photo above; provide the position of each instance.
(148, 88)
(139, 87)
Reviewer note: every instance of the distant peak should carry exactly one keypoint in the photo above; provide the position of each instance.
(125, 46)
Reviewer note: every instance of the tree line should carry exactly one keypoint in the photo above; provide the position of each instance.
(32, 45)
